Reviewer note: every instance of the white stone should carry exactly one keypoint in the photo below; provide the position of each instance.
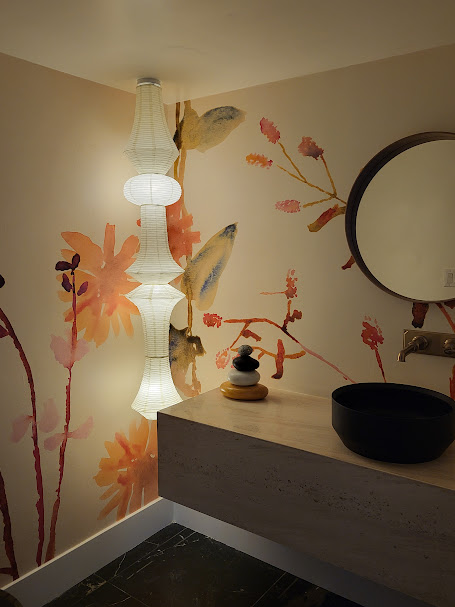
(243, 378)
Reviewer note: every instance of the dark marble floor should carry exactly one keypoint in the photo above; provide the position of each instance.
(178, 567)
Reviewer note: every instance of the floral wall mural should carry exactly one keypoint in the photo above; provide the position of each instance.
(259, 232)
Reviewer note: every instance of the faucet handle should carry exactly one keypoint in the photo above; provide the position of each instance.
(419, 342)
(449, 347)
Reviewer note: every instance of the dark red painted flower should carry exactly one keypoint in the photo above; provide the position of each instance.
(291, 289)
(372, 335)
(308, 147)
(212, 320)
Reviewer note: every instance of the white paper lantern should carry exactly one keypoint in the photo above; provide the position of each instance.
(149, 188)
(152, 151)
(150, 147)
(157, 389)
(154, 263)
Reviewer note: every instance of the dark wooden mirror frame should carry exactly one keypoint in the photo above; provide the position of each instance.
(360, 185)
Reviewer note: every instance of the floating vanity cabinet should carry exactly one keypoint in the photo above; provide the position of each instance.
(277, 468)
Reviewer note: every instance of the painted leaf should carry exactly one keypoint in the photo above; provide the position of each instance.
(279, 360)
(203, 272)
(62, 266)
(66, 284)
(84, 429)
(2, 281)
(52, 442)
(20, 425)
(49, 417)
(3, 331)
(288, 206)
(350, 262)
(269, 130)
(83, 288)
(259, 160)
(210, 129)
(419, 311)
(326, 217)
(247, 333)
(63, 352)
(183, 350)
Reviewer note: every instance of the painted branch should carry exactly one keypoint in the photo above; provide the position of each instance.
(7, 533)
(36, 451)
(447, 316)
(249, 321)
(50, 552)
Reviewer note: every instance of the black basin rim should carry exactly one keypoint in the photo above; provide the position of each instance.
(389, 387)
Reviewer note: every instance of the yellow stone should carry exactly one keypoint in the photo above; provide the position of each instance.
(257, 392)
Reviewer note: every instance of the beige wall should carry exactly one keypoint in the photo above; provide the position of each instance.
(351, 113)
(63, 170)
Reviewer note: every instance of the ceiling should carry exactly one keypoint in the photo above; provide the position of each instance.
(202, 47)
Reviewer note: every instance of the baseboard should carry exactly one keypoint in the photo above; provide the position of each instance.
(339, 581)
(44, 583)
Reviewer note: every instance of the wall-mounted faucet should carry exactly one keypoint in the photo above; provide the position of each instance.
(417, 343)
(425, 342)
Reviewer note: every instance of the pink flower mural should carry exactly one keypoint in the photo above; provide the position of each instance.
(279, 352)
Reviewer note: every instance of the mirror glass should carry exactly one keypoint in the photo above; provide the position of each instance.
(400, 218)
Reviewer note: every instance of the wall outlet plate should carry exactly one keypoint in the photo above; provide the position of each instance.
(435, 342)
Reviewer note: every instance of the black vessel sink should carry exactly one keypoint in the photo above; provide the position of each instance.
(393, 422)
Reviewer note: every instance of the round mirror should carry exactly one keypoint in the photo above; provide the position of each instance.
(400, 218)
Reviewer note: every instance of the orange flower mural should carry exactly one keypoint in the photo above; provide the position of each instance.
(130, 471)
(103, 304)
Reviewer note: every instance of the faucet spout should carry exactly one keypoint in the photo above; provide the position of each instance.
(417, 343)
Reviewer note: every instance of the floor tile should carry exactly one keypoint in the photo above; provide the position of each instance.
(291, 591)
(108, 596)
(198, 571)
(72, 596)
(138, 556)
(178, 567)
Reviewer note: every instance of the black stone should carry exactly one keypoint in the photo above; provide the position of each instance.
(178, 567)
(245, 363)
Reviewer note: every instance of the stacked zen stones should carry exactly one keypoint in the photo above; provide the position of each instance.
(243, 378)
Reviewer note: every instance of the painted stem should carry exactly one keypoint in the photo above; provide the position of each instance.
(379, 361)
(301, 177)
(329, 175)
(50, 552)
(7, 533)
(36, 451)
(249, 321)
(447, 316)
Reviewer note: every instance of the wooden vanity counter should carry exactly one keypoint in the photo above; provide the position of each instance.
(278, 469)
